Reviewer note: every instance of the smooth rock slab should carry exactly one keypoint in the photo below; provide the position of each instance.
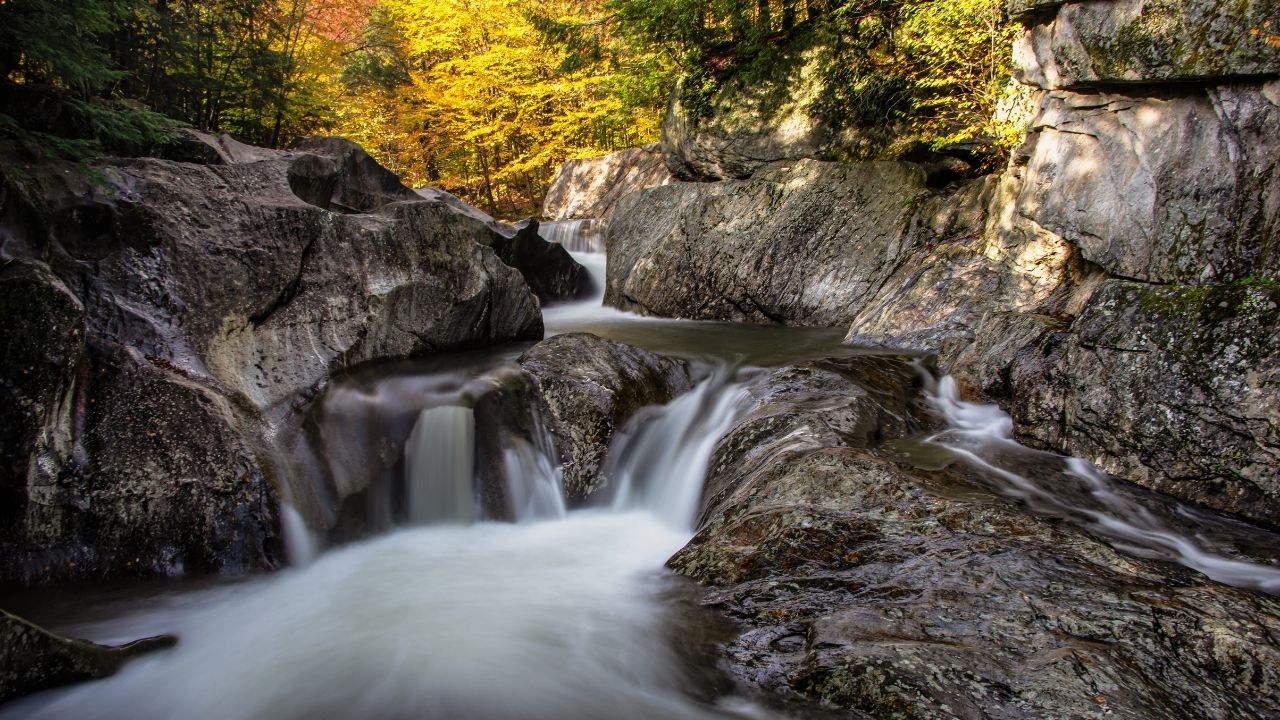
(33, 659)
(1173, 187)
(800, 243)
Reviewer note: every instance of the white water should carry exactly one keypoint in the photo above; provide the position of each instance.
(659, 466)
(562, 615)
(978, 434)
(578, 236)
(535, 483)
(440, 466)
(544, 620)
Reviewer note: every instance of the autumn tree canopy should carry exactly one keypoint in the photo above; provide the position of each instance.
(484, 98)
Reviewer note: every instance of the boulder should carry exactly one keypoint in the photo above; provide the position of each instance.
(1172, 387)
(187, 315)
(591, 188)
(886, 589)
(548, 268)
(1172, 187)
(800, 243)
(721, 128)
(33, 659)
(591, 386)
(1116, 42)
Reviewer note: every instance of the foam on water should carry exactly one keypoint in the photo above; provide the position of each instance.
(982, 434)
(542, 620)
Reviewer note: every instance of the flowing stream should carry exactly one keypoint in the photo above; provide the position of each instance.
(428, 609)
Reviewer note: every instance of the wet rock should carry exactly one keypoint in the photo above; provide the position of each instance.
(591, 386)
(33, 659)
(215, 303)
(862, 583)
(1145, 41)
(803, 243)
(592, 188)
(1171, 387)
(39, 361)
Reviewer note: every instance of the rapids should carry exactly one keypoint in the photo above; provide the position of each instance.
(437, 612)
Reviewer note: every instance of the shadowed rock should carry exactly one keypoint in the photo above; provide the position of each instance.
(33, 659)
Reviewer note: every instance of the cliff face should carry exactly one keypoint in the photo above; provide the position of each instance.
(1114, 288)
(168, 320)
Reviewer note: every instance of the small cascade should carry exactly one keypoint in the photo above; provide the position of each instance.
(1141, 523)
(534, 484)
(575, 235)
(440, 467)
(659, 466)
(301, 545)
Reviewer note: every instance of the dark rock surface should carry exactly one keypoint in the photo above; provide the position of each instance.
(1171, 387)
(547, 267)
(33, 659)
(591, 386)
(170, 318)
(863, 583)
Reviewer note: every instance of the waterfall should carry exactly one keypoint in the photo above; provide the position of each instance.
(575, 235)
(534, 483)
(300, 544)
(440, 467)
(1073, 489)
(659, 466)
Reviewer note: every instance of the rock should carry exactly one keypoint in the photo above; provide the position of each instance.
(864, 584)
(1146, 41)
(33, 659)
(39, 362)
(978, 259)
(1170, 187)
(215, 305)
(336, 174)
(547, 267)
(591, 188)
(1170, 387)
(722, 128)
(591, 386)
(549, 270)
(802, 243)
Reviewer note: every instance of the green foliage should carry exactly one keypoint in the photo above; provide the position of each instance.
(910, 72)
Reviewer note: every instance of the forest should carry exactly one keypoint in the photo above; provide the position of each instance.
(483, 98)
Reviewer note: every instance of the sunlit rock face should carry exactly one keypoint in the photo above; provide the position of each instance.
(801, 243)
(196, 307)
(1156, 168)
(595, 188)
(1175, 186)
(1094, 43)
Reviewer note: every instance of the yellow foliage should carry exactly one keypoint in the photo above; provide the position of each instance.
(488, 112)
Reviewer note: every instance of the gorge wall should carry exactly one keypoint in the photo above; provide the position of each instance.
(170, 319)
(1114, 288)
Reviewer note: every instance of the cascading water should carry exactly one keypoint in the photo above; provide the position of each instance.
(568, 617)
(658, 467)
(1143, 524)
(440, 465)
(578, 236)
